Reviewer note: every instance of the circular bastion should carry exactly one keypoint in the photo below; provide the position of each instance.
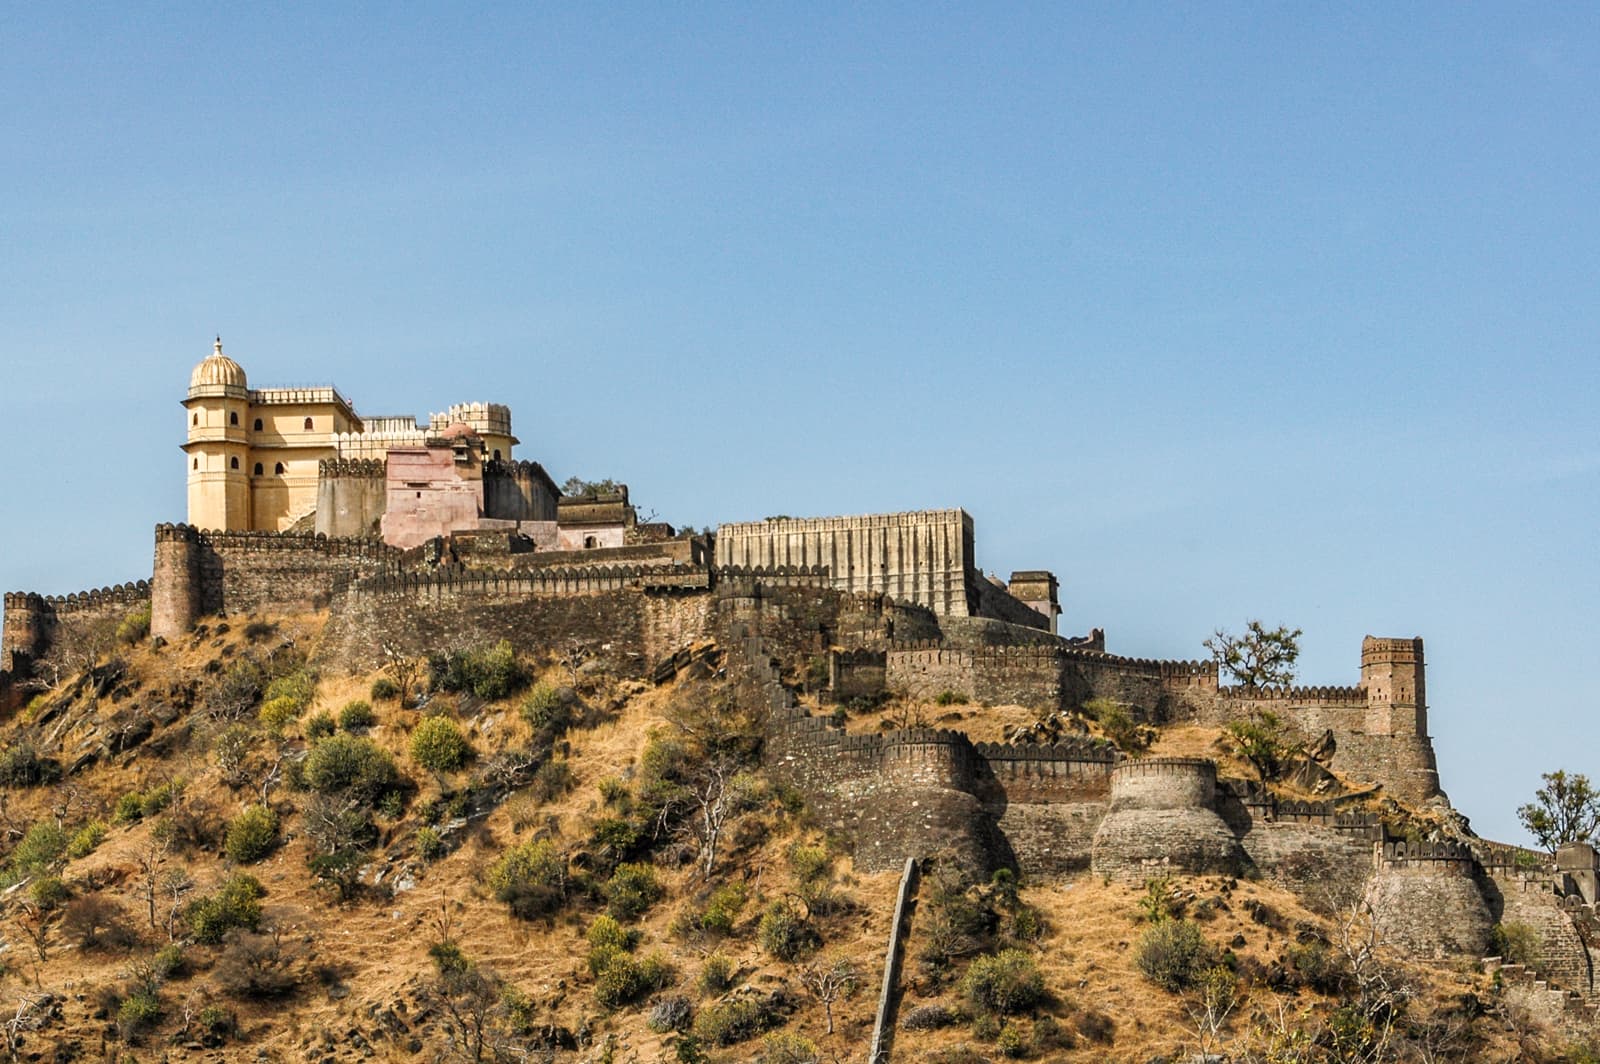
(1426, 900)
(1163, 820)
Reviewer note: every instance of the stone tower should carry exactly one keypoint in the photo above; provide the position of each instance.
(1392, 673)
(218, 446)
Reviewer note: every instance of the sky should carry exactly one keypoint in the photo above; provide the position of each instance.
(1217, 311)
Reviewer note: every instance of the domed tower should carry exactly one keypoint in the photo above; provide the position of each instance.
(218, 448)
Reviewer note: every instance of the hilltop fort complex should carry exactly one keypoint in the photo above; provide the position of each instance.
(412, 537)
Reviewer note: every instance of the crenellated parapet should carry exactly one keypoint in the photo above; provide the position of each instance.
(1426, 898)
(532, 583)
(1332, 696)
(1446, 857)
(354, 468)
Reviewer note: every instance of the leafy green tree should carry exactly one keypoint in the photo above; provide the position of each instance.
(579, 486)
(1566, 809)
(1260, 657)
(1259, 739)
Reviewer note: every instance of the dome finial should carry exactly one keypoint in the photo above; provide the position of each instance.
(218, 347)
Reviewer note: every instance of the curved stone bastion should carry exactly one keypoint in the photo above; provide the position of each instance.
(1163, 819)
(1427, 901)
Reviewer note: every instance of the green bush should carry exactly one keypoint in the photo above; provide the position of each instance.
(553, 779)
(631, 890)
(429, 843)
(318, 726)
(138, 1012)
(716, 974)
(384, 690)
(606, 934)
(722, 908)
(351, 764)
(623, 979)
(40, 849)
(1172, 953)
(21, 766)
(1006, 982)
(159, 797)
(541, 707)
(809, 863)
(135, 626)
(169, 961)
(236, 903)
(530, 878)
(1011, 1043)
(785, 1047)
(1516, 943)
(299, 687)
(951, 698)
(438, 745)
(251, 835)
(356, 714)
(278, 713)
(48, 892)
(129, 809)
(785, 932)
(490, 673)
(85, 839)
(729, 1022)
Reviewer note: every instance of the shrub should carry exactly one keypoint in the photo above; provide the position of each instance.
(299, 687)
(542, 708)
(384, 690)
(355, 765)
(622, 978)
(716, 974)
(490, 673)
(135, 626)
(784, 931)
(319, 725)
(129, 809)
(236, 691)
(430, 845)
(169, 961)
(722, 908)
(530, 878)
(809, 862)
(1006, 982)
(631, 890)
(138, 1012)
(251, 835)
(236, 903)
(231, 747)
(729, 1022)
(1117, 722)
(1314, 965)
(159, 797)
(606, 934)
(257, 966)
(438, 745)
(94, 919)
(928, 1018)
(277, 714)
(785, 1047)
(1012, 1043)
(21, 766)
(40, 849)
(1171, 954)
(1516, 943)
(48, 892)
(951, 698)
(356, 714)
(669, 1013)
(553, 779)
(85, 839)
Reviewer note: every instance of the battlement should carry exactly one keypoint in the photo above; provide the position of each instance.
(549, 581)
(1441, 858)
(1352, 696)
(316, 393)
(372, 468)
(486, 418)
(904, 519)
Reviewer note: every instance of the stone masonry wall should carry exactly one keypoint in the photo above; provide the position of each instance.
(1427, 900)
(33, 623)
(630, 618)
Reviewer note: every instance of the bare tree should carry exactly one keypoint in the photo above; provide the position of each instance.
(718, 796)
(1380, 994)
(34, 921)
(152, 859)
(32, 1013)
(1211, 1008)
(404, 669)
(829, 981)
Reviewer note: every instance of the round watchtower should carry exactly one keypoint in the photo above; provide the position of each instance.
(1163, 819)
(217, 448)
(1426, 900)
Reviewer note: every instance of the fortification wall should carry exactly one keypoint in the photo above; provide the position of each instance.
(923, 557)
(1426, 899)
(1046, 801)
(1523, 898)
(34, 624)
(518, 491)
(988, 599)
(1163, 819)
(350, 497)
(628, 617)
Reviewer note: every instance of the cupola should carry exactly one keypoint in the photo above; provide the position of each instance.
(217, 375)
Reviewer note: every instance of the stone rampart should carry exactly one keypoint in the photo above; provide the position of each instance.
(34, 623)
(628, 616)
(1426, 899)
(1163, 819)
(351, 496)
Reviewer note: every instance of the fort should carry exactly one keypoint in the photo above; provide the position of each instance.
(413, 538)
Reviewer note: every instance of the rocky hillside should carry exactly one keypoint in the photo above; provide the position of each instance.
(214, 853)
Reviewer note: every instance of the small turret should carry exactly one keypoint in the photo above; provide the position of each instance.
(1392, 673)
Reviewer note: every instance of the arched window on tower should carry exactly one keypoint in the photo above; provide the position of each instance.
(233, 463)
(308, 424)
(497, 454)
(195, 420)
(258, 469)
(278, 469)
(196, 464)
(258, 424)
(233, 417)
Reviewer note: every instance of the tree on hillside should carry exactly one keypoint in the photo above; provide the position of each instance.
(1260, 657)
(1566, 809)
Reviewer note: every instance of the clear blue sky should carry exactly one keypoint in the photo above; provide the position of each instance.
(1217, 311)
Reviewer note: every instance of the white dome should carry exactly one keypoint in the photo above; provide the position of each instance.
(217, 374)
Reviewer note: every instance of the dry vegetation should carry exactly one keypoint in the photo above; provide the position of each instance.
(191, 874)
